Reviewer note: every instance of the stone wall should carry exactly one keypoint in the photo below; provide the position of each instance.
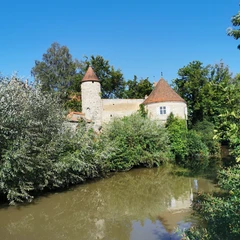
(119, 108)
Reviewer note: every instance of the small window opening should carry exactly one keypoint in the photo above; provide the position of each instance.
(163, 110)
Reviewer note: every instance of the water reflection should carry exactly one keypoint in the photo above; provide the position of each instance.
(140, 204)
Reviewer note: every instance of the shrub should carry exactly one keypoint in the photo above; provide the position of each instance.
(37, 151)
(28, 122)
(177, 131)
(82, 155)
(198, 155)
(187, 146)
(206, 132)
(137, 141)
(220, 212)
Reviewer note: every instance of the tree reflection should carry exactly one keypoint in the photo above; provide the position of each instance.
(105, 209)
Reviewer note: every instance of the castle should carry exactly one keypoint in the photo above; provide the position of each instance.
(159, 104)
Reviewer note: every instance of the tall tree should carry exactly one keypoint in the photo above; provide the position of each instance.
(204, 89)
(190, 84)
(214, 102)
(229, 119)
(137, 89)
(56, 71)
(112, 80)
(235, 32)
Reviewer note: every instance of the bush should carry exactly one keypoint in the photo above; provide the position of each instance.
(82, 155)
(186, 146)
(29, 121)
(206, 132)
(137, 141)
(198, 155)
(37, 151)
(177, 131)
(221, 212)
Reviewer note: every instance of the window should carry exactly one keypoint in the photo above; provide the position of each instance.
(163, 110)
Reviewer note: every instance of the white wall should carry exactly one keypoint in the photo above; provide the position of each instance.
(92, 102)
(113, 108)
(177, 108)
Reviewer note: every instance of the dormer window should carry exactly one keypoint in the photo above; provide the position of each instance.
(163, 110)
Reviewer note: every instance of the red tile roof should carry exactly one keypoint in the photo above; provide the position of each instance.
(90, 76)
(75, 116)
(162, 92)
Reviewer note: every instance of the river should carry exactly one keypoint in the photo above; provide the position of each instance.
(142, 204)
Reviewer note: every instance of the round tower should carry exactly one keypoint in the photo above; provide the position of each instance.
(91, 98)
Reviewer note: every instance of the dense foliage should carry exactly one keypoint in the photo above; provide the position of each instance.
(37, 151)
(138, 89)
(138, 141)
(221, 211)
(234, 32)
(56, 71)
(206, 132)
(29, 121)
(192, 148)
(177, 131)
(204, 90)
(112, 80)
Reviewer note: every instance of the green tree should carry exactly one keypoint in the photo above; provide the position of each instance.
(190, 85)
(229, 118)
(204, 89)
(29, 120)
(112, 81)
(214, 91)
(235, 32)
(206, 132)
(177, 132)
(57, 70)
(37, 149)
(138, 89)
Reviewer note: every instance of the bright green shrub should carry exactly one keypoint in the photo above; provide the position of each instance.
(187, 146)
(177, 131)
(137, 141)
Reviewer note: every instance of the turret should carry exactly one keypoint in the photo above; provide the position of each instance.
(91, 98)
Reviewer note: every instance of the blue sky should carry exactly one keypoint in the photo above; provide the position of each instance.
(140, 37)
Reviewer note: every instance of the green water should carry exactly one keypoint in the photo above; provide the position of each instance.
(143, 204)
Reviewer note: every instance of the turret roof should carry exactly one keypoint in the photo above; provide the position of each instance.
(90, 76)
(162, 92)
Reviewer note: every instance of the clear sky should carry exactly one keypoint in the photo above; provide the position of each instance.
(142, 38)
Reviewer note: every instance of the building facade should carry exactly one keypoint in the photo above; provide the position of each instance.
(159, 104)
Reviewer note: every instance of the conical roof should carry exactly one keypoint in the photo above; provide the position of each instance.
(90, 76)
(163, 93)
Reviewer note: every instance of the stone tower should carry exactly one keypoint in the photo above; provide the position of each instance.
(91, 98)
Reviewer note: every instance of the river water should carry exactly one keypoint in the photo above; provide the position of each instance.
(142, 204)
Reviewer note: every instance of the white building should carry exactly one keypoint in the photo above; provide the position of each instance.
(159, 104)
